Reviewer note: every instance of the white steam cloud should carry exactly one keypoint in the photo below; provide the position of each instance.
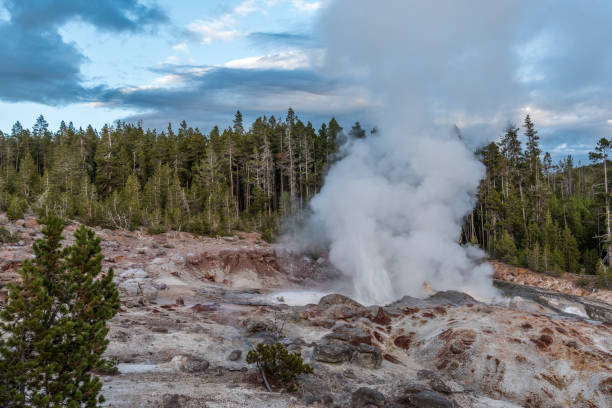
(391, 210)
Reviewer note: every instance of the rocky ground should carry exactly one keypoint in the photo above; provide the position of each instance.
(192, 308)
(566, 283)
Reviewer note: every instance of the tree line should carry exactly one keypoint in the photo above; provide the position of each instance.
(124, 176)
(531, 212)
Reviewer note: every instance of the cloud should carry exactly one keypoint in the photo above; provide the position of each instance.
(226, 27)
(246, 7)
(288, 60)
(578, 151)
(307, 6)
(526, 59)
(182, 47)
(108, 15)
(558, 55)
(553, 57)
(577, 141)
(208, 95)
(208, 86)
(580, 114)
(281, 38)
(95, 104)
(4, 14)
(164, 81)
(222, 28)
(38, 66)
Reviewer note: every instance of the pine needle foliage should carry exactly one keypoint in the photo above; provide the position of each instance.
(6, 237)
(54, 324)
(278, 364)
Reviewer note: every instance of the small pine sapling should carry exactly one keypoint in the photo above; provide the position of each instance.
(277, 364)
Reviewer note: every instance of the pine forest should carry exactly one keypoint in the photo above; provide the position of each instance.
(529, 211)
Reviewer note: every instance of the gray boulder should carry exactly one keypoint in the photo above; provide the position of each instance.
(134, 273)
(447, 297)
(138, 287)
(189, 364)
(435, 381)
(351, 335)
(367, 356)
(430, 399)
(337, 299)
(452, 297)
(234, 355)
(367, 397)
(327, 352)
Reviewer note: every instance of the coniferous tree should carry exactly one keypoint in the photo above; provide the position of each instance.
(28, 178)
(549, 212)
(357, 131)
(505, 249)
(55, 322)
(16, 207)
(532, 153)
(568, 251)
(601, 155)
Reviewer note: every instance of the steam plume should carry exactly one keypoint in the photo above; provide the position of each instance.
(391, 209)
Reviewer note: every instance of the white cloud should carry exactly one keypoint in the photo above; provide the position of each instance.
(573, 115)
(200, 71)
(222, 29)
(4, 13)
(564, 149)
(349, 99)
(95, 104)
(288, 60)
(531, 54)
(246, 7)
(182, 47)
(172, 59)
(308, 6)
(164, 81)
(227, 26)
(131, 89)
(168, 79)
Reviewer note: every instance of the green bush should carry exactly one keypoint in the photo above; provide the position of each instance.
(278, 364)
(15, 209)
(604, 278)
(6, 237)
(268, 235)
(583, 282)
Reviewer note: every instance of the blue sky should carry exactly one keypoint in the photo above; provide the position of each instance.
(92, 62)
(124, 59)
